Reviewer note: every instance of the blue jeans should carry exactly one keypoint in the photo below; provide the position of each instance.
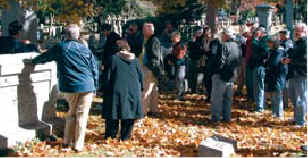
(258, 80)
(180, 80)
(221, 99)
(298, 95)
(277, 104)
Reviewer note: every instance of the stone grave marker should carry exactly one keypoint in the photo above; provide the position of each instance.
(217, 146)
(28, 97)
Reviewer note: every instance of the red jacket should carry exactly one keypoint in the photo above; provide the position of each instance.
(248, 49)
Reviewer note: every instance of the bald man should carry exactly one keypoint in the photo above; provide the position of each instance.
(151, 60)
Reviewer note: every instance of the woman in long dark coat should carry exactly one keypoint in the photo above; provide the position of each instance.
(123, 80)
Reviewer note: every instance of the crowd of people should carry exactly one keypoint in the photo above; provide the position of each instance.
(133, 67)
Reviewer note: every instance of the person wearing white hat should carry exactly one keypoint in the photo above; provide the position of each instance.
(297, 74)
(224, 73)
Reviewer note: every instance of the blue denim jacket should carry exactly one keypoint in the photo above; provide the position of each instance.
(76, 64)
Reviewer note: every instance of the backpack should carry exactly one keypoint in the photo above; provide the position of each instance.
(230, 60)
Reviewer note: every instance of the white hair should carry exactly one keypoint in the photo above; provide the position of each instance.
(302, 27)
(73, 31)
(150, 25)
(230, 32)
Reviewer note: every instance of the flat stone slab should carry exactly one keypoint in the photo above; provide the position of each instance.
(217, 146)
(28, 97)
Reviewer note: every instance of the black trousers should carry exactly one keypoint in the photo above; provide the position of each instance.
(208, 85)
(112, 128)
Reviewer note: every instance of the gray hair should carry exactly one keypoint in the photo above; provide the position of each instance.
(150, 25)
(175, 34)
(302, 27)
(72, 31)
(230, 32)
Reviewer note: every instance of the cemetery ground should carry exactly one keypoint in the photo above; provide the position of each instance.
(178, 129)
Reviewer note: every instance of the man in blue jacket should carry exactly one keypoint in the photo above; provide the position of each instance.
(297, 74)
(259, 56)
(77, 75)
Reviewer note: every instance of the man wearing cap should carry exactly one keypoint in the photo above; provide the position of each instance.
(78, 76)
(11, 44)
(297, 63)
(110, 47)
(194, 56)
(286, 44)
(224, 74)
(258, 59)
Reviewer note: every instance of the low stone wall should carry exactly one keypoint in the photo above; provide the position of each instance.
(28, 96)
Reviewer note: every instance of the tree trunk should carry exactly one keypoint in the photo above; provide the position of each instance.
(26, 17)
(211, 16)
(289, 16)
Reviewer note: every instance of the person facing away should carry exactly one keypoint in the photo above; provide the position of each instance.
(77, 78)
(134, 39)
(224, 75)
(178, 60)
(110, 46)
(11, 44)
(123, 78)
(277, 78)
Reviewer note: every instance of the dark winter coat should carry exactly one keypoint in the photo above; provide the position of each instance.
(215, 47)
(76, 64)
(195, 50)
(110, 46)
(123, 80)
(277, 72)
(260, 53)
(226, 61)
(135, 42)
(10, 44)
(298, 58)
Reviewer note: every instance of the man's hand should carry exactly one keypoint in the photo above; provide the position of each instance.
(28, 61)
(285, 60)
(170, 63)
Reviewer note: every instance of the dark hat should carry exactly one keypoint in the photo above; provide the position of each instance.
(15, 27)
(285, 32)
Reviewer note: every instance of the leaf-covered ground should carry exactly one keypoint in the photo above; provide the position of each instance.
(178, 129)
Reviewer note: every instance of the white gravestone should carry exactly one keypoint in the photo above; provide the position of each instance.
(28, 96)
(217, 146)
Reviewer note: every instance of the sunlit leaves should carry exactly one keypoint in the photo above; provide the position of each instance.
(179, 129)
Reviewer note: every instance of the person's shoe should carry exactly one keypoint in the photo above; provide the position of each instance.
(65, 146)
(77, 150)
(298, 126)
(208, 99)
(258, 113)
(304, 148)
(180, 98)
(225, 121)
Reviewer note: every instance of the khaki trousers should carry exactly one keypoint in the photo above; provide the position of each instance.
(76, 121)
